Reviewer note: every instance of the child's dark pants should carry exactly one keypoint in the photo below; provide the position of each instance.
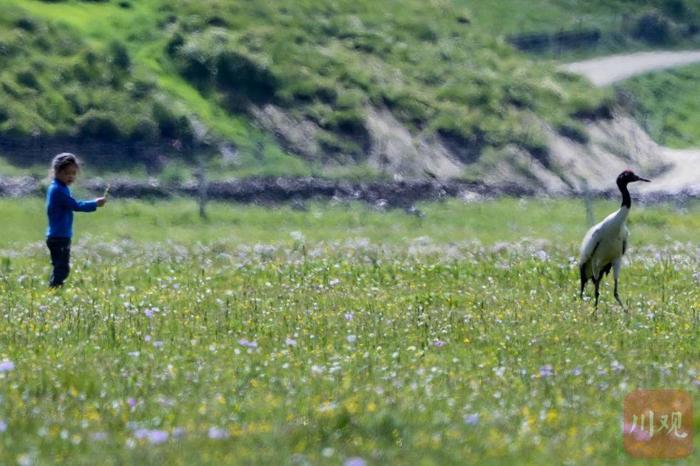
(60, 259)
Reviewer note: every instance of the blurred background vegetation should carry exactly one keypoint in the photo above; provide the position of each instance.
(134, 75)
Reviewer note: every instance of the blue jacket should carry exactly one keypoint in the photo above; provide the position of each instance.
(60, 206)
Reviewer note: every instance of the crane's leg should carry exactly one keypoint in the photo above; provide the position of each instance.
(596, 282)
(594, 314)
(616, 274)
(582, 271)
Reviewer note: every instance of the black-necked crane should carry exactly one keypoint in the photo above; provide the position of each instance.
(605, 243)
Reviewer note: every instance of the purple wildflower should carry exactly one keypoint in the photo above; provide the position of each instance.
(355, 461)
(290, 342)
(546, 371)
(439, 343)
(247, 343)
(217, 433)
(471, 419)
(3, 426)
(349, 316)
(6, 365)
(98, 436)
(156, 437)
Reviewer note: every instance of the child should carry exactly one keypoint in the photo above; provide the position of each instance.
(59, 207)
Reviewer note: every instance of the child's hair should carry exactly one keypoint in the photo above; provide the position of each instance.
(63, 160)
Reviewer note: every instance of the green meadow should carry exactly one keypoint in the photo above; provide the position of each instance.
(341, 334)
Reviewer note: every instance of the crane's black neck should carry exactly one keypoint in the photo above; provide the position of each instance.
(626, 199)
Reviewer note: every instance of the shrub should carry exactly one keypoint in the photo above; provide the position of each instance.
(653, 28)
(27, 24)
(119, 55)
(574, 131)
(99, 125)
(244, 74)
(176, 41)
(165, 120)
(195, 63)
(675, 8)
(27, 78)
(145, 130)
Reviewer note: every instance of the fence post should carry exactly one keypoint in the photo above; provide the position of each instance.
(200, 132)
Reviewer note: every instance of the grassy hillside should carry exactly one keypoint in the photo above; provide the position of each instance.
(668, 105)
(623, 24)
(139, 71)
(513, 16)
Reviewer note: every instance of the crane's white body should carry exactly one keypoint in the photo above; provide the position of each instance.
(604, 245)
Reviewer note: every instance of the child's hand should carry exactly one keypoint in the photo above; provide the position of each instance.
(101, 201)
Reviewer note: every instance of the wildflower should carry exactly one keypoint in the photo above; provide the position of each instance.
(290, 342)
(247, 343)
(439, 343)
(157, 344)
(355, 461)
(98, 436)
(351, 339)
(541, 255)
(546, 371)
(6, 365)
(576, 371)
(471, 419)
(154, 437)
(217, 433)
(349, 316)
(3, 426)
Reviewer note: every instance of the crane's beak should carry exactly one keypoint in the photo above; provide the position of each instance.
(639, 178)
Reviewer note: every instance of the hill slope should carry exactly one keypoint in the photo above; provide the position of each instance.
(299, 87)
(314, 74)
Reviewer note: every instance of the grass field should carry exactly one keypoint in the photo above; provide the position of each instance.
(340, 335)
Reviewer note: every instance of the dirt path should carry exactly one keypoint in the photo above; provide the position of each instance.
(607, 70)
(683, 172)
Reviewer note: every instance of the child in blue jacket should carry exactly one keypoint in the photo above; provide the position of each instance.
(59, 208)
